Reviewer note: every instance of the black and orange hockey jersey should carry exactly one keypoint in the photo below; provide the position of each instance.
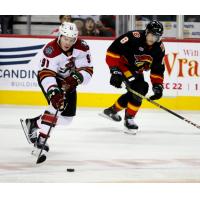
(132, 56)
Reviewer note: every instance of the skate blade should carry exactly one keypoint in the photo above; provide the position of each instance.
(107, 117)
(23, 124)
(130, 131)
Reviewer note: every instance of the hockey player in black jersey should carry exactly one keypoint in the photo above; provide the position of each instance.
(128, 57)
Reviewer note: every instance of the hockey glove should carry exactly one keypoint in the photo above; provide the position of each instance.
(158, 91)
(116, 78)
(72, 81)
(56, 97)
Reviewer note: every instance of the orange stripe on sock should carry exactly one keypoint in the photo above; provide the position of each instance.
(118, 107)
(133, 107)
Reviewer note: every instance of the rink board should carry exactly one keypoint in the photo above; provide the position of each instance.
(19, 63)
(96, 100)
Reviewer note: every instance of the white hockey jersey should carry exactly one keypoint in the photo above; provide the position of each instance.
(55, 63)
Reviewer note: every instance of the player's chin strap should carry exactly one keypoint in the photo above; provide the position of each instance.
(160, 106)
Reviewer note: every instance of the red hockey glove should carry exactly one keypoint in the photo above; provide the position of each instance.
(56, 97)
(70, 83)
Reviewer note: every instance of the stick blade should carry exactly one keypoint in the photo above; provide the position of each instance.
(41, 159)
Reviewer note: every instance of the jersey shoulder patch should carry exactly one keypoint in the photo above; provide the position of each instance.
(81, 45)
(136, 34)
(52, 49)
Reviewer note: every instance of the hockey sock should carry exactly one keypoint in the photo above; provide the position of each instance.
(117, 107)
(47, 119)
(132, 109)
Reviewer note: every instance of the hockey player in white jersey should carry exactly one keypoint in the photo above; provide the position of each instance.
(65, 64)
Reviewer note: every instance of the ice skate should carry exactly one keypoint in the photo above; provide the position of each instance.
(111, 114)
(38, 146)
(30, 129)
(40, 142)
(130, 127)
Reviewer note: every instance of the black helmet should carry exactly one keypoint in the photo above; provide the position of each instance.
(154, 27)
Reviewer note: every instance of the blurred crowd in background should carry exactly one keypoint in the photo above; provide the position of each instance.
(6, 22)
(91, 25)
(88, 25)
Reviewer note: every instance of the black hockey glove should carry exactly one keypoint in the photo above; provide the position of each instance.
(116, 78)
(158, 91)
(56, 97)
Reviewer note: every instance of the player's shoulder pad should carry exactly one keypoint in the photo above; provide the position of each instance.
(52, 49)
(130, 36)
(81, 45)
(136, 34)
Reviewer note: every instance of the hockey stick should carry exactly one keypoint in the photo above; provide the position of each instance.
(42, 157)
(160, 106)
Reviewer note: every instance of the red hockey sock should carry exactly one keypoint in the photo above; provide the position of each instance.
(132, 109)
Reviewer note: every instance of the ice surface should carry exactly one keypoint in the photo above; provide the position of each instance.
(165, 149)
